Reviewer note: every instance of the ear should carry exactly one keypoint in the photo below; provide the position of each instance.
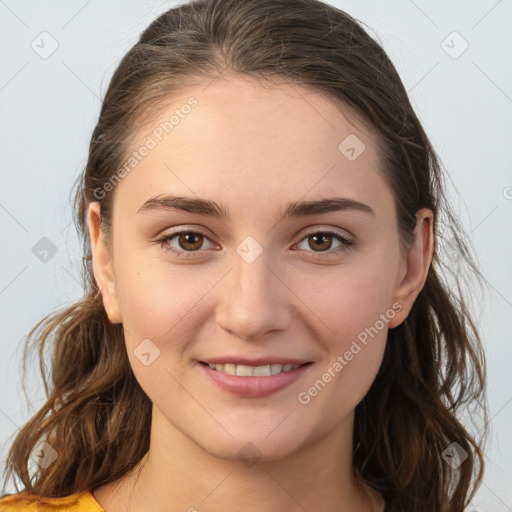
(102, 264)
(415, 269)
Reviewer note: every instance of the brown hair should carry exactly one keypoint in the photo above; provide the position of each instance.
(433, 366)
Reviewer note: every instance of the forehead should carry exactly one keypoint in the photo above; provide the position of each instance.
(260, 141)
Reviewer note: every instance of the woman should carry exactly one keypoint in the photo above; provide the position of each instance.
(264, 325)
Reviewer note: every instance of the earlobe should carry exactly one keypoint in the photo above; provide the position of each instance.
(102, 263)
(416, 267)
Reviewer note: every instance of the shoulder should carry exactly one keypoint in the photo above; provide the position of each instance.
(27, 502)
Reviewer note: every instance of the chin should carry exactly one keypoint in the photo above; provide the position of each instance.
(252, 444)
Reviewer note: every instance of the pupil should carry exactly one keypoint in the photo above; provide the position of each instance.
(323, 236)
(186, 237)
(319, 239)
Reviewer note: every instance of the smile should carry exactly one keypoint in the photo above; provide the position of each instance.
(253, 371)
(254, 381)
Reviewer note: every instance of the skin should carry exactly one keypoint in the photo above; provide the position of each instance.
(254, 150)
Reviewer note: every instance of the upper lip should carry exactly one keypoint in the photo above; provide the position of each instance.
(258, 361)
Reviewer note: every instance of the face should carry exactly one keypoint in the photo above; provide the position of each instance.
(272, 279)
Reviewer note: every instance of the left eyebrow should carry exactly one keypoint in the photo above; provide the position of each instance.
(211, 208)
(186, 204)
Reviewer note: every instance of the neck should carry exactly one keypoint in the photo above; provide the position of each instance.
(178, 475)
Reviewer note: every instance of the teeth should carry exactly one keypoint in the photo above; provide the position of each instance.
(250, 371)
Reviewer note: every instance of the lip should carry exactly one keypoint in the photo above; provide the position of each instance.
(257, 361)
(254, 387)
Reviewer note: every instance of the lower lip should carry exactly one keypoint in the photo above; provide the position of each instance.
(253, 387)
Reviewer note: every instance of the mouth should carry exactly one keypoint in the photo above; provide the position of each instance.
(265, 370)
(248, 381)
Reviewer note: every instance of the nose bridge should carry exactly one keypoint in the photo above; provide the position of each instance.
(253, 299)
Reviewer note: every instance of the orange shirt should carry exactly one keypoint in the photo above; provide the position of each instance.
(25, 502)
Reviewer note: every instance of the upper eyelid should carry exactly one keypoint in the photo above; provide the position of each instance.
(309, 232)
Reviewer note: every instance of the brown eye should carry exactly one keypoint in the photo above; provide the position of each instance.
(190, 241)
(184, 243)
(322, 241)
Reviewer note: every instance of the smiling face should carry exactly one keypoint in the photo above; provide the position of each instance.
(250, 273)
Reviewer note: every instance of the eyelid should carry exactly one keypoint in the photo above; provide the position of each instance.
(164, 242)
(346, 241)
(333, 231)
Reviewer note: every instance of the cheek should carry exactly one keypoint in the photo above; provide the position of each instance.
(351, 299)
(357, 313)
(353, 315)
(159, 299)
(161, 303)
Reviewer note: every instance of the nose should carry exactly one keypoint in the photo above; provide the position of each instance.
(254, 299)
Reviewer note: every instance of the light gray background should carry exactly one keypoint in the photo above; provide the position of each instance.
(49, 107)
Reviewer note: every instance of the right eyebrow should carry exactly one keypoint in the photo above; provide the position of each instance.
(211, 208)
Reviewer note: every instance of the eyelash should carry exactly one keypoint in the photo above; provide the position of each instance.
(346, 244)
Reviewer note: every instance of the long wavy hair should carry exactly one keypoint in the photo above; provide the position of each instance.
(433, 368)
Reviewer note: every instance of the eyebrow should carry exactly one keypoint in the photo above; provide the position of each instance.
(211, 208)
